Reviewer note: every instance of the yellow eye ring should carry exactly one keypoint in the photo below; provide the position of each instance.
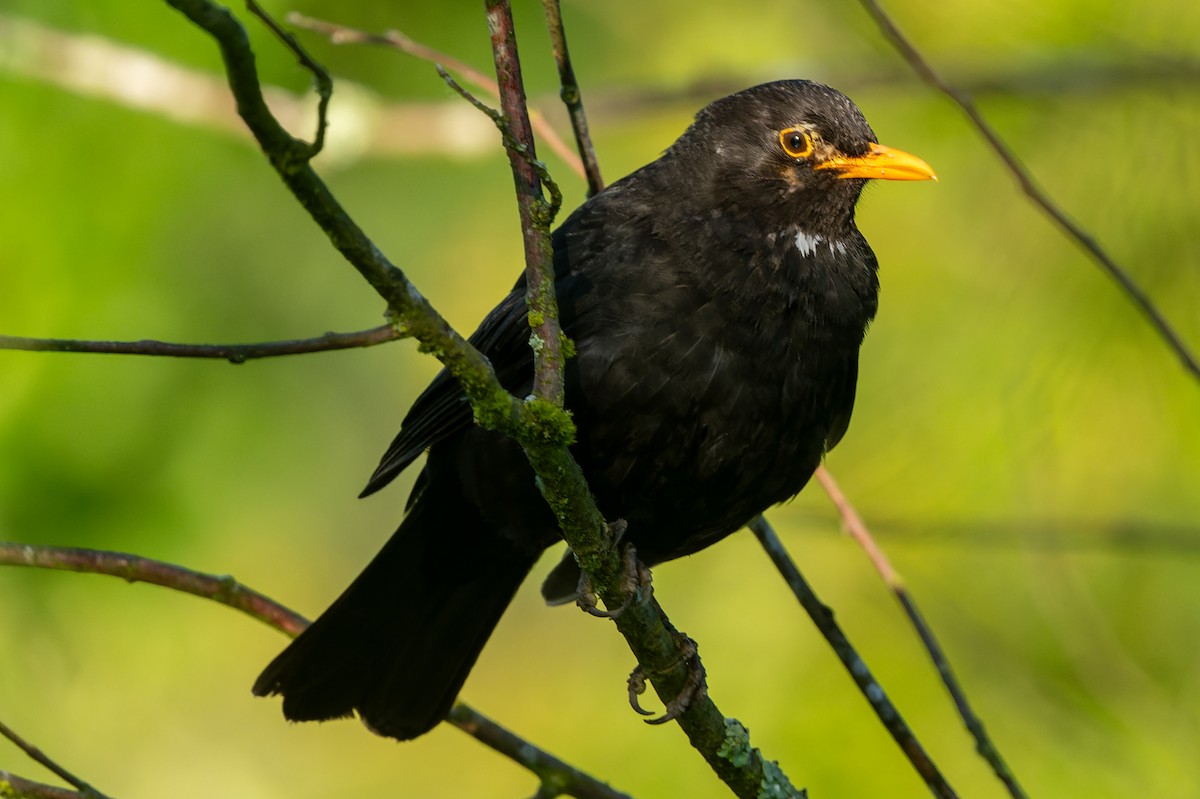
(796, 142)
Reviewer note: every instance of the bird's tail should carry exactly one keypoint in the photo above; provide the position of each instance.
(397, 645)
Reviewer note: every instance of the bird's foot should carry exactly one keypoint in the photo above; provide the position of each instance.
(635, 581)
(694, 687)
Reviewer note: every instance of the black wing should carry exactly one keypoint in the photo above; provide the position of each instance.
(442, 410)
(582, 246)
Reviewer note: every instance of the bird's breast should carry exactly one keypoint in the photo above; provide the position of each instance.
(699, 418)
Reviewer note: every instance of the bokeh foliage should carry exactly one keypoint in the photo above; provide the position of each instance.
(1024, 447)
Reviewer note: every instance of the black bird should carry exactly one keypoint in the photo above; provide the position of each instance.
(717, 299)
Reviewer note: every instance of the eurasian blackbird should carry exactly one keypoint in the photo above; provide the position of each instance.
(717, 299)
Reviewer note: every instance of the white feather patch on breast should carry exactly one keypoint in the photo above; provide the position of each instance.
(807, 243)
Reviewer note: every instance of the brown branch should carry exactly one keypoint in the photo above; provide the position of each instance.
(857, 530)
(341, 34)
(547, 339)
(136, 569)
(234, 353)
(38, 756)
(571, 96)
(823, 618)
(1029, 186)
(228, 591)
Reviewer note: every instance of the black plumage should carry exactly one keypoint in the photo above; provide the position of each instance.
(717, 299)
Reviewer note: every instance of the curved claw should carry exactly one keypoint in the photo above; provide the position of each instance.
(636, 582)
(637, 687)
(695, 687)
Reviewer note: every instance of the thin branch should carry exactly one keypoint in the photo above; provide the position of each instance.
(1029, 186)
(229, 592)
(341, 34)
(857, 530)
(14, 787)
(136, 569)
(38, 756)
(822, 616)
(557, 777)
(549, 210)
(572, 97)
(234, 353)
(547, 340)
(324, 83)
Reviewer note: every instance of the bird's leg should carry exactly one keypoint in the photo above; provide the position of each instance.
(635, 581)
(694, 687)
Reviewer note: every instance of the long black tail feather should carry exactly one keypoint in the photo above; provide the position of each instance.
(398, 644)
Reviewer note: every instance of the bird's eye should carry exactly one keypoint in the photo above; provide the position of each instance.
(796, 143)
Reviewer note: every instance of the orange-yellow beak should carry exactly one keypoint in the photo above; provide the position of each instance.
(880, 163)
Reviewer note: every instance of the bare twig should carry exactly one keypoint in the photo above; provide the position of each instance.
(857, 530)
(234, 353)
(548, 210)
(557, 777)
(341, 34)
(229, 592)
(572, 97)
(822, 616)
(136, 569)
(1029, 186)
(38, 756)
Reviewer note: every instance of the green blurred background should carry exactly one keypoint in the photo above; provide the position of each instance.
(1024, 447)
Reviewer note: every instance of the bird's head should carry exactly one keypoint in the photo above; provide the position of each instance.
(796, 146)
